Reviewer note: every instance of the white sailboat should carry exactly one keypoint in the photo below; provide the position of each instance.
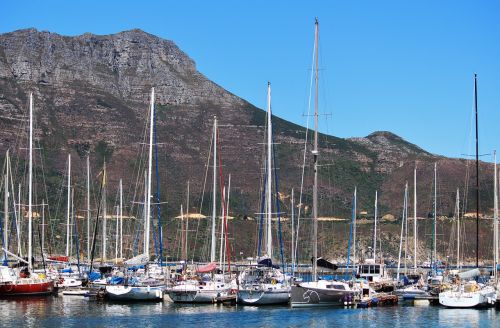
(145, 290)
(208, 285)
(318, 292)
(263, 285)
(471, 294)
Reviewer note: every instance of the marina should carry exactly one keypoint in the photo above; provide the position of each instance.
(137, 192)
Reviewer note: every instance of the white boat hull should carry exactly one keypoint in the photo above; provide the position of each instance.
(194, 296)
(195, 292)
(134, 293)
(457, 299)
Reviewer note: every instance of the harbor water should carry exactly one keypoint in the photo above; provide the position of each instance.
(65, 311)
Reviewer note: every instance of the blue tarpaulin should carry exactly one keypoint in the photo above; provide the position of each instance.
(94, 276)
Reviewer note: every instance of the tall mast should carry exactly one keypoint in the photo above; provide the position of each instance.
(6, 205)
(121, 219)
(19, 222)
(407, 205)
(30, 191)
(68, 212)
(187, 221)
(104, 216)
(72, 221)
(315, 158)
(117, 232)
(183, 239)
(293, 232)
(354, 214)
(150, 163)
(224, 222)
(457, 213)
(403, 221)
(375, 228)
(269, 245)
(88, 207)
(477, 173)
(495, 217)
(144, 245)
(43, 226)
(214, 192)
(415, 217)
(434, 233)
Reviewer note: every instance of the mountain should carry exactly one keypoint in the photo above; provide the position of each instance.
(91, 95)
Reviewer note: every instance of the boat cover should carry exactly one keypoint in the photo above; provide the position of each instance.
(321, 262)
(207, 268)
(469, 274)
(94, 276)
(60, 258)
(138, 260)
(267, 262)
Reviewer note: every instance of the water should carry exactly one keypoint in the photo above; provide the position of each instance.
(78, 312)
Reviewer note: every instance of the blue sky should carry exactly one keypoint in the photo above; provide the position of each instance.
(402, 66)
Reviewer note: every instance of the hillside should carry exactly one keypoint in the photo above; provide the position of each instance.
(91, 97)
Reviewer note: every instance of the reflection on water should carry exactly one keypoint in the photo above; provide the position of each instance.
(466, 317)
(68, 311)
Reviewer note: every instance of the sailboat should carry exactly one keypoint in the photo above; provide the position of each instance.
(371, 270)
(415, 289)
(137, 289)
(206, 286)
(15, 282)
(318, 292)
(265, 284)
(471, 294)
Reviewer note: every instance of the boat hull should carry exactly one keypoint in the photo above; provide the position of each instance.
(134, 293)
(307, 296)
(193, 293)
(194, 296)
(31, 287)
(453, 299)
(263, 297)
